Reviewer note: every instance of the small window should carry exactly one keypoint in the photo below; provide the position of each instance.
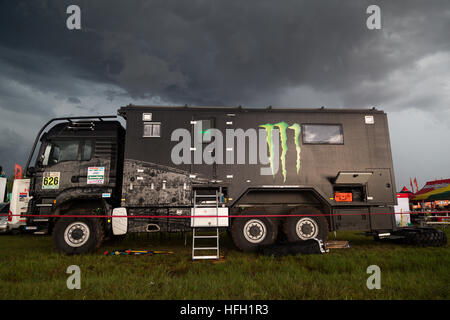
(58, 151)
(322, 134)
(87, 151)
(204, 127)
(152, 129)
(147, 117)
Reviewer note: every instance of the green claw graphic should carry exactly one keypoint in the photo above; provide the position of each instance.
(282, 126)
(297, 129)
(284, 148)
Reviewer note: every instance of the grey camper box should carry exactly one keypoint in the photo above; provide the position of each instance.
(358, 162)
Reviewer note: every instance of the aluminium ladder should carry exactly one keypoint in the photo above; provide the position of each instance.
(195, 236)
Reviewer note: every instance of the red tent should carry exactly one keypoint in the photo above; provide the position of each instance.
(406, 193)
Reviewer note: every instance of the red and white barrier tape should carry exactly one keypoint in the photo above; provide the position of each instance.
(222, 216)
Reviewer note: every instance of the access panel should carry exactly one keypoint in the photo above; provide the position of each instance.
(352, 219)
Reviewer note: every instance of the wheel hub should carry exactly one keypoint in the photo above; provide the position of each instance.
(307, 228)
(255, 231)
(76, 234)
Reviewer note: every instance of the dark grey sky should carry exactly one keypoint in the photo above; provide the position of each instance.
(208, 52)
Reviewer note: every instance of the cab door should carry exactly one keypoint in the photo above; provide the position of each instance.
(96, 158)
(57, 168)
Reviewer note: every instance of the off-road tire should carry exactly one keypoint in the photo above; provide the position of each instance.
(290, 224)
(238, 231)
(94, 241)
(427, 238)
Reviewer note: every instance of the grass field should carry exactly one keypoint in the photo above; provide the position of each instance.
(30, 269)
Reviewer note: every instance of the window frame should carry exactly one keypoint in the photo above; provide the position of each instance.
(144, 114)
(82, 144)
(52, 141)
(323, 143)
(151, 123)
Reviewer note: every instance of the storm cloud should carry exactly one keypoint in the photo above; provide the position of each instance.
(207, 52)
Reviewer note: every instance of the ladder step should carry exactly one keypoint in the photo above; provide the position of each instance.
(206, 196)
(205, 237)
(205, 205)
(200, 201)
(204, 257)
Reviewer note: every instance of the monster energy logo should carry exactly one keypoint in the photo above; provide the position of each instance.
(282, 127)
(251, 146)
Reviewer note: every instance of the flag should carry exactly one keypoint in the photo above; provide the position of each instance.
(412, 188)
(17, 171)
(415, 182)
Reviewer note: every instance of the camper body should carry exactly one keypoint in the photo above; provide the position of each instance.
(300, 172)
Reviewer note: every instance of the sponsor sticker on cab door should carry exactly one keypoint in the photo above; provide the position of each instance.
(96, 175)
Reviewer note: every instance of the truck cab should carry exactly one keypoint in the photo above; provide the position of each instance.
(77, 170)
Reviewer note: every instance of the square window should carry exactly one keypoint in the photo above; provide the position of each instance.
(152, 129)
(146, 117)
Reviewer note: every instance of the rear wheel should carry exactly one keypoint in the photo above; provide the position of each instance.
(304, 227)
(427, 237)
(78, 235)
(250, 233)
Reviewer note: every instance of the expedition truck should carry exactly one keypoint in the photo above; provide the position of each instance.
(264, 174)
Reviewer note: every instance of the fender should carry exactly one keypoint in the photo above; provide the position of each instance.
(285, 188)
(80, 193)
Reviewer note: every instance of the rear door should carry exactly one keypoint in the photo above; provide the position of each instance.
(380, 188)
(381, 192)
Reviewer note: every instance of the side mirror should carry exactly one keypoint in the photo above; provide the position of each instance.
(40, 159)
(31, 171)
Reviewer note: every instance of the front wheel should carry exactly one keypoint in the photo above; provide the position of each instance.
(250, 233)
(305, 227)
(77, 235)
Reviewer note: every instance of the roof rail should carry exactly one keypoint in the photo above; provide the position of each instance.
(68, 119)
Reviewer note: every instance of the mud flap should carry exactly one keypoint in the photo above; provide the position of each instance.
(119, 221)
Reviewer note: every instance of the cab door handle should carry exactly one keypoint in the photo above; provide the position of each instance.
(74, 179)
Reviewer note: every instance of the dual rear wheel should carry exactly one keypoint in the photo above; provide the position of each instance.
(249, 233)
